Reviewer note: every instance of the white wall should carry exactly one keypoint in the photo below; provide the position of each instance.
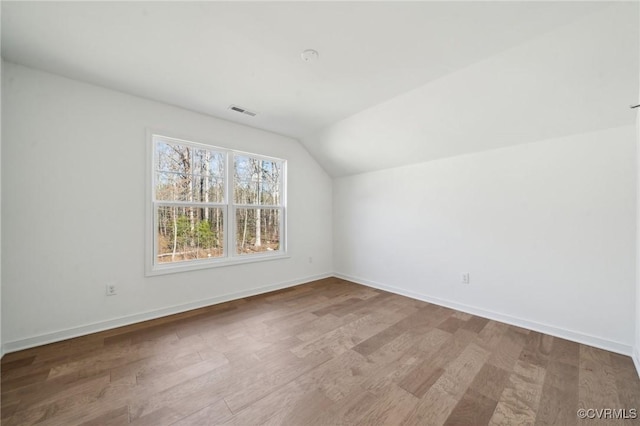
(74, 210)
(546, 230)
(636, 349)
(1, 341)
(1, 346)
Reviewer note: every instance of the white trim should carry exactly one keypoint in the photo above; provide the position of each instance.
(83, 330)
(229, 254)
(150, 221)
(95, 327)
(636, 359)
(563, 333)
(220, 262)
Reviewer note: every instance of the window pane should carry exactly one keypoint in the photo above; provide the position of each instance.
(258, 230)
(271, 183)
(208, 163)
(173, 158)
(173, 187)
(257, 181)
(187, 233)
(208, 189)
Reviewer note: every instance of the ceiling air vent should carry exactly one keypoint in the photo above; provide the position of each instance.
(242, 110)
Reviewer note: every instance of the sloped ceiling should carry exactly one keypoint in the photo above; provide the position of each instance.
(396, 82)
(579, 78)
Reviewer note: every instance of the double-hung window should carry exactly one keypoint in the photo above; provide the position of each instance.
(213, 206)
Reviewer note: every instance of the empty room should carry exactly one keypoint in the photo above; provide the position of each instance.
(320, 213)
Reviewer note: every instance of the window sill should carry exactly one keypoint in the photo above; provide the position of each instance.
(213, 263)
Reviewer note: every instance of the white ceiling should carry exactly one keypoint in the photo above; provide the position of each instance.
(205, 56)
(578, 78)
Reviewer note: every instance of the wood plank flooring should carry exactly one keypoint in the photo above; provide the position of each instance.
(325, 353)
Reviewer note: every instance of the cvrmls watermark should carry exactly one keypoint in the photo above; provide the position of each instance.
(608, 413)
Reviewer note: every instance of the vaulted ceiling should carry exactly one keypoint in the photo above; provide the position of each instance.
(421, 77)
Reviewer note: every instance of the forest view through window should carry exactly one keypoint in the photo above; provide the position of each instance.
(213, 205)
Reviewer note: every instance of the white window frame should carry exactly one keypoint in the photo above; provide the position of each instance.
(228, 206)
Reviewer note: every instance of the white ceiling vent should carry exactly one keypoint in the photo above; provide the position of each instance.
(241, 110)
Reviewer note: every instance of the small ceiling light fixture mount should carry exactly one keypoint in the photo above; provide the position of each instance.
(310, 55)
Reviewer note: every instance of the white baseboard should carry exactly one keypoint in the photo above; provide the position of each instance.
(563, 333)
(636, 359)
(69, 333)
(83, 330)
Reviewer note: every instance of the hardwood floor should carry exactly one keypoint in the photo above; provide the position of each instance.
(325, 353)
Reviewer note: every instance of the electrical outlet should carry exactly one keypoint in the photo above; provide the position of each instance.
(310, 259)
(111, 290)
(465, 278)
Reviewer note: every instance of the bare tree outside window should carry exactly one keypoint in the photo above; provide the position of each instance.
(191, 178)
(193, 214)
(257, 184)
